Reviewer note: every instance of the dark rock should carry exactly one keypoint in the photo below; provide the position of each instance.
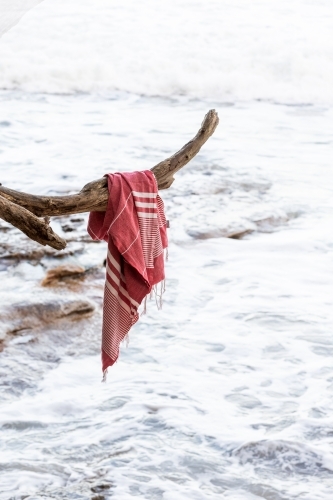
(42, 309)
(60, 273)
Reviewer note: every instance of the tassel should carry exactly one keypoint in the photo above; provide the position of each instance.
(104, 375)
(144, 306)
(127, 340)
(159, 294)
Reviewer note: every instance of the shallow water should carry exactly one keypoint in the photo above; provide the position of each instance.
(227, 392)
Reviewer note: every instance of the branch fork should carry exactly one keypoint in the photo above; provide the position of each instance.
(31, 214)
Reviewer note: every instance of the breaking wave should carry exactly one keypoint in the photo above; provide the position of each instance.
(285, 458)
(225, 52)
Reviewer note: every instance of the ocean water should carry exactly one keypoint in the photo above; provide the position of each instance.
(272, 50)
(227, 392)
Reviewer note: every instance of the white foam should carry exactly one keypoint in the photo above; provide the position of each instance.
(227, 391)
(275, 50)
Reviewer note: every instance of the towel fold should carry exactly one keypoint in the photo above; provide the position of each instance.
(134, 226)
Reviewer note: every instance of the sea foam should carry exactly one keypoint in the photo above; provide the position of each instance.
(222, 51)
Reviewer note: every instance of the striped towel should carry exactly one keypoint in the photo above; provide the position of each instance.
(134, 226)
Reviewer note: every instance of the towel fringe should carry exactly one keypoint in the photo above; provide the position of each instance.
(156, 292)
(127, 340)
(104, 376)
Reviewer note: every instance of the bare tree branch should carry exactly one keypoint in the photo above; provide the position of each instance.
(22, 209)
(35, 228)
(165, 170)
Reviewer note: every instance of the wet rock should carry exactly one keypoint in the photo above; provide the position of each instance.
(63, 273)
(238, 235)
(42, 310)
(271, 223)
(217, 232)
(14, 245)
(99, 488)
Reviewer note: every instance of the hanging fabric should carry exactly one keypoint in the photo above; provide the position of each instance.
(134, 225)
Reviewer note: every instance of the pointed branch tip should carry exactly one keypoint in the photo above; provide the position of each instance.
(23, 210)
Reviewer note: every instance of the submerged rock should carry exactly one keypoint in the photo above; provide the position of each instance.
(16, 246)
(62, 273)
(220, 232)
(41, 310)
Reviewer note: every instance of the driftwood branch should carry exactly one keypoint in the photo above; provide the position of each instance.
(35, 228)
(23, 210)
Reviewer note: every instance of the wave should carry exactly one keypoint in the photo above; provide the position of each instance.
(285, 458)
(207, 50)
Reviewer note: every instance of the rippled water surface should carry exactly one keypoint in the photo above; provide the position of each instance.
(227, 392)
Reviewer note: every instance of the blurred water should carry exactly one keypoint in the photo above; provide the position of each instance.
(274, 50)
(226, 392)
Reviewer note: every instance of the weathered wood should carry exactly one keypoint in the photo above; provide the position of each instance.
(35, 228)
(165, 170)
(93, 196)
(15, 205)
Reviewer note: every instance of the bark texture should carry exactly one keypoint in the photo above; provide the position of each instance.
(35, 228)
(24, 210)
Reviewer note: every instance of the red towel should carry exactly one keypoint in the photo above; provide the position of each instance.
(134, 226)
